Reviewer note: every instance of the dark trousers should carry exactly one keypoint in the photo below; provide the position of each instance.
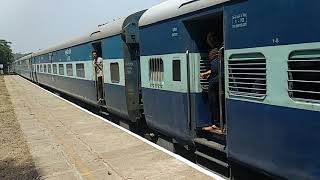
(214, 103)
(100, 88)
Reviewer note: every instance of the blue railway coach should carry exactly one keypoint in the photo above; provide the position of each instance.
(152, 63)
(271, 78)
(68, 67)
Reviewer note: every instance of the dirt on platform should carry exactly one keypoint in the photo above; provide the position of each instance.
(15, 158)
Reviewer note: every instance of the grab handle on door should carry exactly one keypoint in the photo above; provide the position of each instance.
(188, 89)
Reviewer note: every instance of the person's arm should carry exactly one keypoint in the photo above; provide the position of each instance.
(94, 70)
(99, 63)
(205, 74)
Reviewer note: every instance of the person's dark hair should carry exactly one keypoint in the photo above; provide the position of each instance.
(94, 51)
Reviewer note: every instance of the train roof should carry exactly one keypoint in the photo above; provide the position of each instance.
(107, 30)
(174, 8)
(24, 57)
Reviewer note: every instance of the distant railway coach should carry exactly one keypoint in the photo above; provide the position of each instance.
(266, 55)
(68, 67)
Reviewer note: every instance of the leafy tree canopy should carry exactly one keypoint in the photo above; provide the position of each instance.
(6, 56)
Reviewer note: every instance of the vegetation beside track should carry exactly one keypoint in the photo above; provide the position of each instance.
(15, 159)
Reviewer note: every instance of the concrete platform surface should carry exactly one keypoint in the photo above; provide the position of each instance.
(67, 142)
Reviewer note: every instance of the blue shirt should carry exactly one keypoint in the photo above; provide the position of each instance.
(214, 76)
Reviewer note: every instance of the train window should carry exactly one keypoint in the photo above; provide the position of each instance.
(69, 70)
(45, 68)
(176, 70)
(114, 70)
(49, 68)
(304, 75)
(38, 68)
(156, 70)
(61, 69)
(41, 68)
(80, 70)
(54, 69)
(247, 75)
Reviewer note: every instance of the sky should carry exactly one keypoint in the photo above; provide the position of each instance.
(37, 24)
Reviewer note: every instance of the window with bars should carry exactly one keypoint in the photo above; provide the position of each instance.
(61, 69)
(156, 70)
(54, 69)
(49, 68)
(80, 70)
(247, 75)
(304, 75)
(69, 70)
(204, 67)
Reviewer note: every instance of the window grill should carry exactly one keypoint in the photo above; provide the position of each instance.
(247, 75)
(204, 66)
(80, 70)
(49, 68)
(69, 70)
(156, 70)
(54, 69)
(61, 69)
(304, 75)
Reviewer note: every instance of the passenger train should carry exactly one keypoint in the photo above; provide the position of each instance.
(153, 59)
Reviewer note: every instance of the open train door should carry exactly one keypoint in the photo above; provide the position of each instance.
(99, 84)
(33, 70)
(30, 68)
(131, 47)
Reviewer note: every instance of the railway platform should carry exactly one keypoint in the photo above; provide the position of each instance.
(68, 142)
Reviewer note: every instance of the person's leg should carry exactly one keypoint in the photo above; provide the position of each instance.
(216, 105)
(211, 99)
(211, 102)
(216, 108)
(100, 90)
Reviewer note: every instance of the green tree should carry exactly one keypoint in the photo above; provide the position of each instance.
(6, 56)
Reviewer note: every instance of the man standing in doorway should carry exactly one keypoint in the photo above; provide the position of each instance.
(213, 76)
(98, 68)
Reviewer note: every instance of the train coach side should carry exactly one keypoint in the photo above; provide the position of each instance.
(171, 60)
(23, 66)
(271, 79)
(272, 85)
(68, 67)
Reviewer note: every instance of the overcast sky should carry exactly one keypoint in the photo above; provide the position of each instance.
(36, 24)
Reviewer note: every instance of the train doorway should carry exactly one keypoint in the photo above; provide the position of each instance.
(34, 70)
(30, 67)
(98, 72)
(207, 61)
